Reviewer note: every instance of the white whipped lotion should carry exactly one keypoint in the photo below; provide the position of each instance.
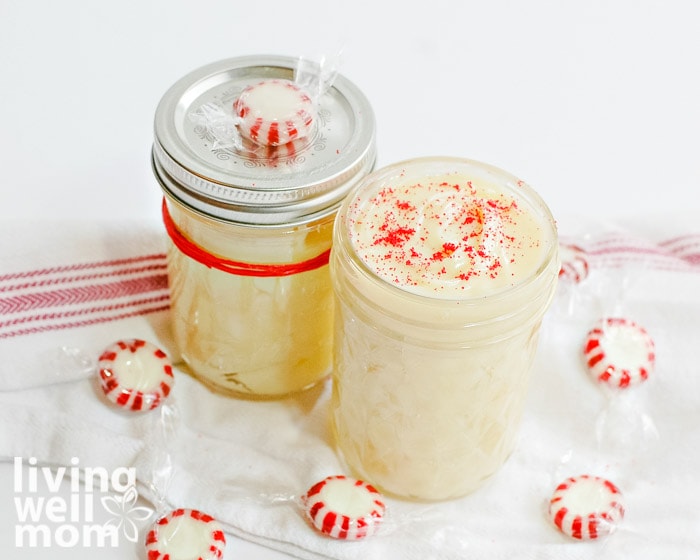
(446, 236)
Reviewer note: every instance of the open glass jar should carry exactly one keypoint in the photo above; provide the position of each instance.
(442, 270)
(249, 225)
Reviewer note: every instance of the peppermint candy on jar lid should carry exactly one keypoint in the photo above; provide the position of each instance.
(135, 374)
(586, 507)
(218, 151)
(619, 352)
(344, 508)
(185, 534)
(274, 112)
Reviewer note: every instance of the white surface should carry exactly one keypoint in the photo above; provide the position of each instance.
(595, 104)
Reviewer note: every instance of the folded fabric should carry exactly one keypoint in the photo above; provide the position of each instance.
(69, 290)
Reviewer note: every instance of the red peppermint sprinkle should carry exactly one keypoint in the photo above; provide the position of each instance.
(438, 234)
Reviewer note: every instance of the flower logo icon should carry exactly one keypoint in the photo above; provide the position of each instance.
(126, 513)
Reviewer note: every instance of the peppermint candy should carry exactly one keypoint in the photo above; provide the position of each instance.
(274, 112)
(135, 374)
(586, 507)
(344, 508)
(574, 263)
(619, 352)
(185, 534)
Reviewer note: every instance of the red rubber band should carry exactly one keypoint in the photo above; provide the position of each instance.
(234, 267)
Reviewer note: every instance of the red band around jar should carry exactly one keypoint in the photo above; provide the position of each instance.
(202, 256)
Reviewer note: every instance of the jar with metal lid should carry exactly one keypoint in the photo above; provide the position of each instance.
(442, 270)
(250, 224)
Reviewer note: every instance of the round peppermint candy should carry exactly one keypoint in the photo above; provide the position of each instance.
(185, 534)
(619, 352)
(574, 263)
(586, 507)
(274, 112)
(135, 374)
(344, 508)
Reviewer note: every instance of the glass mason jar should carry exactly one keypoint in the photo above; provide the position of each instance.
(442, 270)
(250, 228)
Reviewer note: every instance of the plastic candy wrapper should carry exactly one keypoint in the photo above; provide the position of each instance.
(165, 423)
(266, 114)
(65, 364)
(617, 352)
(135, 374)
(610, 347)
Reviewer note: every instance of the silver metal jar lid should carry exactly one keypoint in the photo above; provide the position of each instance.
(260, 185)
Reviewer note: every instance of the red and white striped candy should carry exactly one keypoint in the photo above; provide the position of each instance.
(344, 508)
(274, 112)
(135, 374)
(185, 534)
(574, 263)
(619, 352)
(586, 507)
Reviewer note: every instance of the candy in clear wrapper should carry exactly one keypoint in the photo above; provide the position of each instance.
(620, 355)
(344, 508)
(274, 112)
(619, 352)
(135, 374)
(185, 534)
(586, 507)
(268, 112)
(574, 263)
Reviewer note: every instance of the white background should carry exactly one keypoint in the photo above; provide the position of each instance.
(594, 103)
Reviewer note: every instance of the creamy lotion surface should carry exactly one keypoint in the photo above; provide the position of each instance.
(447, 236)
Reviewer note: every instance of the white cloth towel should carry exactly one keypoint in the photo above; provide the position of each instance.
(69, 290)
